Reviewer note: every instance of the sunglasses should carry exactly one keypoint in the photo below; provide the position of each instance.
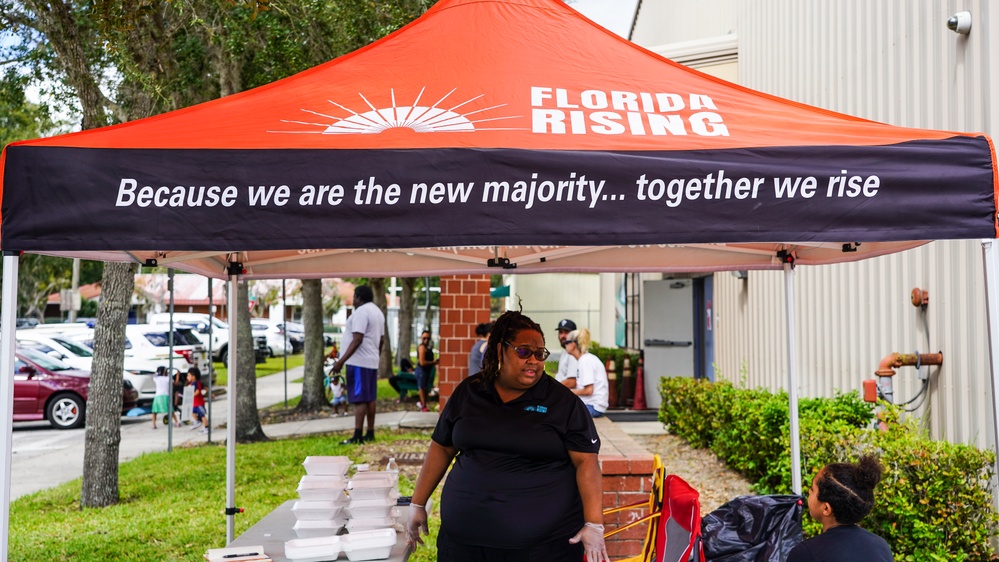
(525, 351)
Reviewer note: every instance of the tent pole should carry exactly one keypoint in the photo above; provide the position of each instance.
(8, 323)
(230, 430)
(792, 377)
(990, 254)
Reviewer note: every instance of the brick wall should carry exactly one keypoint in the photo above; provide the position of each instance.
(464, 305)
(627, 479)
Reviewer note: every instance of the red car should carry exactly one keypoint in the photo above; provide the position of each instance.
(48, 389)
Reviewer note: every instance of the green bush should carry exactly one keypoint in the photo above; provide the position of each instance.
(934, 503)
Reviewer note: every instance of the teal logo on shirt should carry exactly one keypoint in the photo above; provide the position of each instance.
(538, 409)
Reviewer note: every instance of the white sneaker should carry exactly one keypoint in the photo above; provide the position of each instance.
(203, 430)
(196, 426)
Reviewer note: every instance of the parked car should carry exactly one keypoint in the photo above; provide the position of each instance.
(138, 371)
(296, 334)
(220, 334)
(298, 329)
(137, 345)
(48, 389)
(276, 343)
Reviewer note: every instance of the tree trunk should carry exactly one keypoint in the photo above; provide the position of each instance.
(103, 434)
(248, 427)
(313, 391)
(407, 311)
(64, 35)
(385, 364)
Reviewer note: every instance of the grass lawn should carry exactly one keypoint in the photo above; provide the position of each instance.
(269, 367)
(171, 503)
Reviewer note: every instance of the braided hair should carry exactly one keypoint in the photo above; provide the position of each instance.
(849, 488)
(506, 328)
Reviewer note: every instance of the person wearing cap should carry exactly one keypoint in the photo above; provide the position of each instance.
(566, 362)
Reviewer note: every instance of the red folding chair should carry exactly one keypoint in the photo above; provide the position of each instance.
(674, 531)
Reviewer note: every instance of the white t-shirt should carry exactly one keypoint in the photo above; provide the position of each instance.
(368, 320)
(162, 385)
(337, 389)
(591, 371)
(566, 367)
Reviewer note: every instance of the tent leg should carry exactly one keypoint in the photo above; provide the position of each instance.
(230, 430)
(792, 378)
(990, 255)
(8, 323)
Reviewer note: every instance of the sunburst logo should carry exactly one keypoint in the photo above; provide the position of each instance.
(439, 117)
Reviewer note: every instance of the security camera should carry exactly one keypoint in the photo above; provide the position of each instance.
(960, 23)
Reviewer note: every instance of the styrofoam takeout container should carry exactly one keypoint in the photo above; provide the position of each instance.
(323, 481)
(328, 465)
(358, 524)
(371, 489)
(369, 545)
(313, 549)
(381, 507)
(311, 529)
(316, 511)
(311, 494)
(379, 475)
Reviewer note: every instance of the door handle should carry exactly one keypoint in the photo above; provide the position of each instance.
(668, 343)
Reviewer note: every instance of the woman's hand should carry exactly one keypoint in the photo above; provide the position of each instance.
(417, 522)
(592, 536)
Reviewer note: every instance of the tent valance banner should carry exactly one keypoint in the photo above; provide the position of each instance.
(540, 128)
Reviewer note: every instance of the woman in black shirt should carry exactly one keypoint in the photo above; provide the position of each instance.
(525, 484)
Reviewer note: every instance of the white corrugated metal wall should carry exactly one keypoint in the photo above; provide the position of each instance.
(892, 61)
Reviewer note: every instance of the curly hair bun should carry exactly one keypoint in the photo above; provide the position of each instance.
(869, 472)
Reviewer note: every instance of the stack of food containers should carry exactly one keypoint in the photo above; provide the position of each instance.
(319, 511)
(372, 501)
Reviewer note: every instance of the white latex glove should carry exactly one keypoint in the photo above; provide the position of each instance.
(592, 536)
(417, 522)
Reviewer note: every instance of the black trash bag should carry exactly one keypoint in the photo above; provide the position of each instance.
(753, 529)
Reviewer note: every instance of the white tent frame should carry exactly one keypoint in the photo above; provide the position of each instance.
(8, 313)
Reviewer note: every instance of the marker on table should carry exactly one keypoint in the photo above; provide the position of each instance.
(240, 555)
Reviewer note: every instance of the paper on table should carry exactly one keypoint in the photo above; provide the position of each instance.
(236, 554)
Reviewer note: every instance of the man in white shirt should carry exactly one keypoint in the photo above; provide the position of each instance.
(566, 363)
(367, 328)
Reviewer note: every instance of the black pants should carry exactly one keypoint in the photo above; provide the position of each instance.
(557, 550)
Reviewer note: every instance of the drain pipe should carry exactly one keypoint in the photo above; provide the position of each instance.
(886, 369)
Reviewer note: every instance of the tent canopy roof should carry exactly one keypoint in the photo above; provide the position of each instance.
(507, 130)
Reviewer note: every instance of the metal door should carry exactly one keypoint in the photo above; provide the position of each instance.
(668, 325)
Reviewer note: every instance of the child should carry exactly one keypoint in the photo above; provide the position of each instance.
(161, 402)
(840, 496)
(338, 395)
(198, 404)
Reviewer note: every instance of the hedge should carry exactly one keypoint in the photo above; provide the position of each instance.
(934, 503)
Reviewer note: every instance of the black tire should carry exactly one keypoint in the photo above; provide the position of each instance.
(66, 411)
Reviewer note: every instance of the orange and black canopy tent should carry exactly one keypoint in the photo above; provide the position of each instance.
(513, 133)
